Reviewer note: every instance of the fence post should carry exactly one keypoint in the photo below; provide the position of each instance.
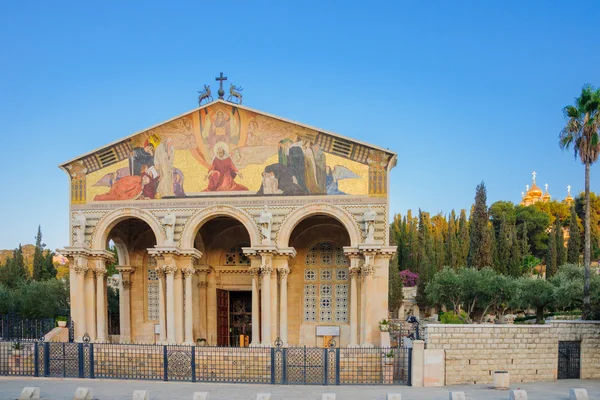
(36, 362)
(92, 373)
(165, 364)
(273, 365)
(193, 363)
(409, 380)
(284, 367)
(46, 350)
(81, 358)
(337, 366)
(326, 374)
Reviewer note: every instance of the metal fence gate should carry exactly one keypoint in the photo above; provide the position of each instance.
(569, 360)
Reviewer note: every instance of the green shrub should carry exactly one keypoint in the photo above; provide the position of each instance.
(451, 317)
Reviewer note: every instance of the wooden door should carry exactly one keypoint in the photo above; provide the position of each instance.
(222, 317)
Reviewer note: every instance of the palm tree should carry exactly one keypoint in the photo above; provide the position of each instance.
(582, 133)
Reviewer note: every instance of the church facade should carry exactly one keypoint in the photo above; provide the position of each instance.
(232, 227)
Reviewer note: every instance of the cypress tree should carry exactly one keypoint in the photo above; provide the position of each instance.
(14, 271)
(38, 257)
(425, 247)
(452, 246)
(574, 245)
(480, 248)
(525, 249)
(463, 239)
(516, 257)
(559, 240)
(551, 256)
(503, 247)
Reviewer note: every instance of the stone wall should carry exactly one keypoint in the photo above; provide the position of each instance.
(528, 352)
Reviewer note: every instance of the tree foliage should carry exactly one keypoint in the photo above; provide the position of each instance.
(480, 247)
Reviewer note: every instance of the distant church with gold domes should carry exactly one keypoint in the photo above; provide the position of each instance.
(535, 194)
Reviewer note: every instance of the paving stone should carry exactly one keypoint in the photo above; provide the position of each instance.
(457, 396)
(578, 394)
(393, 396)
(263, 396)
(83, 393)
(30, 392)
(328, 396)
(200, 396)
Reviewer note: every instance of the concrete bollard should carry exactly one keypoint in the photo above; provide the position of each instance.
(393, 396)
(200, 396)
(457, 396)
(328, 396)
(578, 394)
(263, 396)
(518, 395)
(140, 395)
(30, 392)
(83, 393)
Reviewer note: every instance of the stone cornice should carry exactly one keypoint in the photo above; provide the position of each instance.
(164, 250)
(125, 269)
(72, 251)
(194, 253)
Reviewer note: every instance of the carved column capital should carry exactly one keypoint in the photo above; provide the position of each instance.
(283, 272)
(354, 272)
(160, 270)
(266, 270)
(188, 272)
(81, 269)
(126, 284)
(254, 271)
(203, 285)
(100, 271)
(170, 269)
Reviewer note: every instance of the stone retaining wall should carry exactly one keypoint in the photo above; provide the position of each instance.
(528, 352)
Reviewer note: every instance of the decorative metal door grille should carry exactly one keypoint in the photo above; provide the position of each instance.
(62, 359)
(569, 360)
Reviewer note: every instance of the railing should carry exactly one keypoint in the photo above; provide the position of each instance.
(14, 327)
(264, 365)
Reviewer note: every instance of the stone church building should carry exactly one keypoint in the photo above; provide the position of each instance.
(232, 227)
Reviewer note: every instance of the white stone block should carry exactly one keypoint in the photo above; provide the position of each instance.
(328, 396)
(457, 396)
(140, 395)
(518, 395)
(393, 396)
(578, 394)
(30, 392)
(200, 396)
(83, 393)
(263, 396)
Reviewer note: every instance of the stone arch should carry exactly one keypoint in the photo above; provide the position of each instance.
(107, 222)
(122, 251)
(294, 218)
(195, 222)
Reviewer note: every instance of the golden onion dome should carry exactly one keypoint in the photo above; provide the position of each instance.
(546, 197)
(569, 199)
(535, 192)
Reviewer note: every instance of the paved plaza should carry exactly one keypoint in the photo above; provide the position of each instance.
(63, 389)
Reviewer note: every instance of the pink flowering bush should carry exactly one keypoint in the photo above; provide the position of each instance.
(409, 279)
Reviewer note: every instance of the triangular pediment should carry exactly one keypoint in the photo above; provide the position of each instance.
(226, 148)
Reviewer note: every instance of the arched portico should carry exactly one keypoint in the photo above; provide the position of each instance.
(102, 230)
(295, 217)
(195, 222)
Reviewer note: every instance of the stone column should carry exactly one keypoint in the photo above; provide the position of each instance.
(90, 304)
(254, 271)
(354, 272)
(170, 275)
(162, 312)
(274, 304)
(178, 293)
(203, 286)
(101, 315)
(189, 327)
(81, 269)
(125, 302)
(283, 308)
(266, 270)
(366, 320)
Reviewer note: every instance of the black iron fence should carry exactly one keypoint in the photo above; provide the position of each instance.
(13, 326)
(266, 365)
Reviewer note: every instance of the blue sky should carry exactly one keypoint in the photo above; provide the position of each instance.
(462, 91)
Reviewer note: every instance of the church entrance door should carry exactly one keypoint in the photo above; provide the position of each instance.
(240, 318)
(222, 317)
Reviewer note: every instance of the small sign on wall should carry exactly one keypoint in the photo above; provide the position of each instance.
(157, 329)
(328, 331)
